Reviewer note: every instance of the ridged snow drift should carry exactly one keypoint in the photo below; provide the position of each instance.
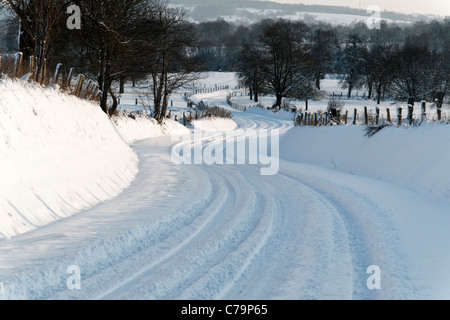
(58, 155)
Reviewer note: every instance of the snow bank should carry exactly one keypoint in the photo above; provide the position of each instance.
(415, 157)
(143, 128)
(214, 124)
(58, 155)
(279, 115)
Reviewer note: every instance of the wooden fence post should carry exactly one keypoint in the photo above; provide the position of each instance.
(96, 97)
(377, 119)
(95, 88)
(399, 115)
(79, 85)
(32, 65)
(410, 114)
(423, 116)
(388, 111)
(346, 117)
(56, 76)
(88, 90)
(43, 72)
(17, 64)
(69, 79)
(355, 114)
(366, 116)
(438, 109)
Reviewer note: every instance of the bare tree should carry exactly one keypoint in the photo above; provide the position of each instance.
(250, 73)
(169, 61)
(442, 79)
(352, 63)
(414, 72)
(442, 84)
(378, 67)
(39, 21)
(324, 41)
(285, 62)
(110, 30)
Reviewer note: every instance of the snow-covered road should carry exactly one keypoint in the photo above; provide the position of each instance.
(228, 232)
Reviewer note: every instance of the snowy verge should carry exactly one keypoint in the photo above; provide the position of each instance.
(141, 127)
(214, 124)
(413, 157)
(58, 156)
(279, 115)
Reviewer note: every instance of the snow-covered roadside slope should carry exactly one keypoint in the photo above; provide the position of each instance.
(414, 157)
(214, 124)
(58, 155)
(142, 128)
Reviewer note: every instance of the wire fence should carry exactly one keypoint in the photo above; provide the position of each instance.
(399, 116)
(16, 67)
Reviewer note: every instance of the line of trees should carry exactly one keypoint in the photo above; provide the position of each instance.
(119, 40)
(280, 61)
(132, 40)
(290, 58)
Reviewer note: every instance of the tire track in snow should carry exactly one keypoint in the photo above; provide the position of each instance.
(169, 249)
(223, 276)
(139, 274)
(291, 262)
(213, 246)
(370, 237)
(244, 236)
(162, 240)
(44, 277)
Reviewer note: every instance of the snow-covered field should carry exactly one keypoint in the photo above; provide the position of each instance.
(331, 18)
(340, 203)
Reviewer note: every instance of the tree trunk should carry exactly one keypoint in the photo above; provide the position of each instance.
(279, 99)
(165, 103)
(114, 106)
(379, 88)
(157, 94)
(104, 101)
(106, 82)
(318, 83)
(122, 85)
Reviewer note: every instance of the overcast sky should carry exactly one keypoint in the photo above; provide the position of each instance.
(439, 7)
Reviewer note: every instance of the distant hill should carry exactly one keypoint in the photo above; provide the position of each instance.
(248, 11)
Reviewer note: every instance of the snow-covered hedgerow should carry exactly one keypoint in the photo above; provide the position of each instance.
(58, 155)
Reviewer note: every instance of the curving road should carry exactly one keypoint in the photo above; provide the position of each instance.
(227, 232)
